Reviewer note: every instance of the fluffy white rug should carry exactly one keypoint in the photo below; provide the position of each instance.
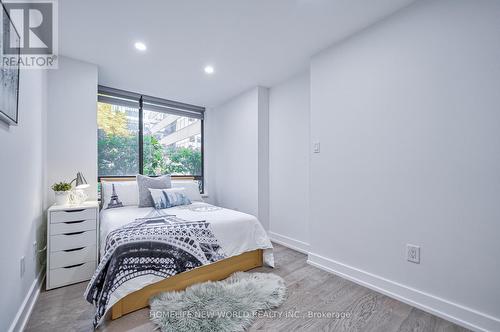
(228, 305)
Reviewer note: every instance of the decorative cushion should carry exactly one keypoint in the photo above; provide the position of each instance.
(192, 189)
(167, 198)
(119, 193)
(145, 183)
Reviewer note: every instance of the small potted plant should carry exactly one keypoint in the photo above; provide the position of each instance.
(61, 190)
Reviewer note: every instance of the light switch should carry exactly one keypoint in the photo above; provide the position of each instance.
(316, 147)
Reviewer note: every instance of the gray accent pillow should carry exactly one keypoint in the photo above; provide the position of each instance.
(145, 183)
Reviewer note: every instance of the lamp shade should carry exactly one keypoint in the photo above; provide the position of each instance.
(81, 182)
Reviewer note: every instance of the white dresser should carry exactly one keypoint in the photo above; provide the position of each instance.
(72, 242)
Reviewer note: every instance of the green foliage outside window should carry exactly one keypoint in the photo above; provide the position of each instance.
(173, 160)
(117, 155)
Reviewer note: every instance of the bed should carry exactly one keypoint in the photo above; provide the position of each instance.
(239, 236)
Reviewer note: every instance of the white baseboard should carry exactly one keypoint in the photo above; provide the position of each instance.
(288, 242)
(461, 315)
(24, 312)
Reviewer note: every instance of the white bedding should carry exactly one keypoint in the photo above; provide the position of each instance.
(236, 232)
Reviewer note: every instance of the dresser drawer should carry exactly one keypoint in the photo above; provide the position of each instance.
(72, 257)
(67, 275)
(72, 215)
(72, 226)
(72, 240)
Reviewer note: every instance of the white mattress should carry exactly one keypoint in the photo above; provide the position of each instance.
(237, 232)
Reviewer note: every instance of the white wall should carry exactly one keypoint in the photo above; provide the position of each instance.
(72, 124)
(21, 195)
(55, 138)
(408, 116)
(289, 161)
(233, 141)
(209, 155)
(263, 155)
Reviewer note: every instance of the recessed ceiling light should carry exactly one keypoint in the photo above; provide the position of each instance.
(209, 70)
(140, 46)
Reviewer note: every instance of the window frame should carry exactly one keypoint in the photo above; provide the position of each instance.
(140, 100)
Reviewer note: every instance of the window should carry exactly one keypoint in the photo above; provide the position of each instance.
(170, 144)
(147, 135)
(117, 140)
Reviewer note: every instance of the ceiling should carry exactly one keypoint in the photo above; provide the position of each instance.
(249, 42)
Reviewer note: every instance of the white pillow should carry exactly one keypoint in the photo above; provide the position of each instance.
(167, 198)
(192, 189)
(127, 192)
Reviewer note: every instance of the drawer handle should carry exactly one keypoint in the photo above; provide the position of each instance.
(74, 222)
(71, 211)
(71, 266)
(76, 249)
(74, 233)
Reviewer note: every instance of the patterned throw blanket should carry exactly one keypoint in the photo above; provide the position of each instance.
(160, 246)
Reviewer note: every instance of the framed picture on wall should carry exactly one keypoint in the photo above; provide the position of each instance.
(9, 72)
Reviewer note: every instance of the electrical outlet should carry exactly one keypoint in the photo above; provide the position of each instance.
(413, 253)
(22, 266)
(316, 147)
(35, 251)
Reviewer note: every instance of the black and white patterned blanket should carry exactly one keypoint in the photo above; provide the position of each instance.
(159, 246)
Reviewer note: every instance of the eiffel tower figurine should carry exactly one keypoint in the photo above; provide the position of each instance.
(114, 202)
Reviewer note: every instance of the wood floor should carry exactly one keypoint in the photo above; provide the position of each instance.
(309, 290)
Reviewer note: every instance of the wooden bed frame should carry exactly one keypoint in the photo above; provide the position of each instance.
(215, 271)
